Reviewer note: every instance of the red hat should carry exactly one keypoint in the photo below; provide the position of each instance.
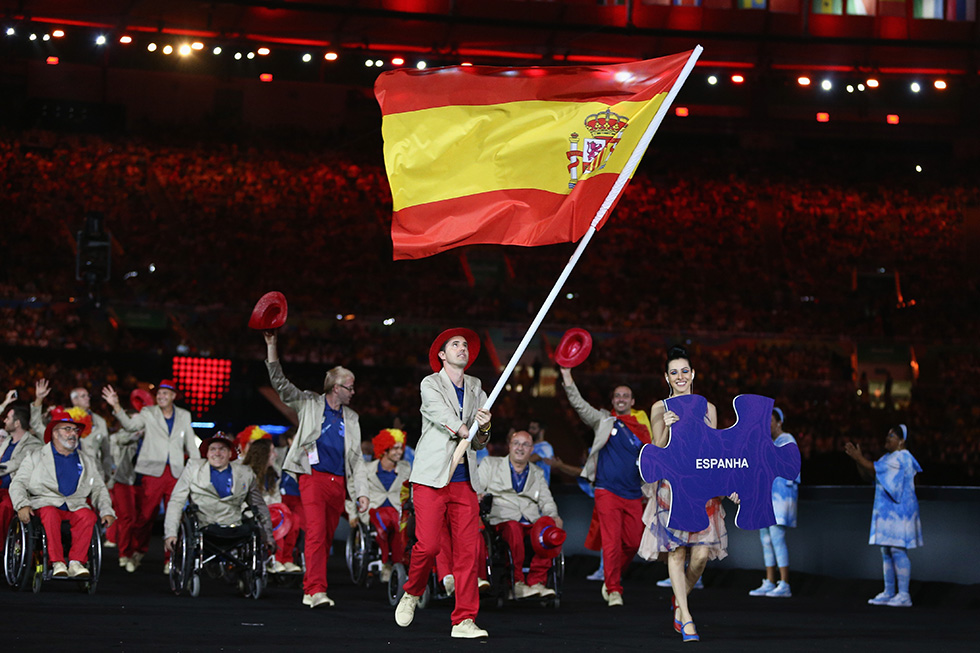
(251, 434)
(386, 439)
(140, 398)
(547, 538)
(74, 415)
(168, 384)
(472, 343)
(270, 312)
(224, 439)
(574, 348)
(282, 521)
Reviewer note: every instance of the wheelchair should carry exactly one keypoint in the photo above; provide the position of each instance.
(25, 557)
(363, 554)
(399, 571)
(500, 565)
(235, 554)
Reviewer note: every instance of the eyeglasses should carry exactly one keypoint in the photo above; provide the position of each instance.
(348, 388)
(522, 445)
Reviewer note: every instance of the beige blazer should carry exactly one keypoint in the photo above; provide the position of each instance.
(376, 492)
(309, 409)
(123, 444)
(96, 445)
(158, 443)
(36, 484)
(440, 423)
(195, 484)
(600, 421)
(508, 505)
(27, 445)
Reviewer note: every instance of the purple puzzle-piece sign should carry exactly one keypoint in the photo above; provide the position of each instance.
(702, 463)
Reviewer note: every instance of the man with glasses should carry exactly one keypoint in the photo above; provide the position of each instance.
(521, 502)
(326, 457)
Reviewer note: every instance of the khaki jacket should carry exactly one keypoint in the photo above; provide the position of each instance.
(440, 423)
(158, 443)
(195, 484)
(95, 444)
(124, 446)
(309, 409)
(27, 445)
(36, 484)
(376, 492)
(600, 421)
(531, 504)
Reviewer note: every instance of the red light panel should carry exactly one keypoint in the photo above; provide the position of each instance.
(203, 381)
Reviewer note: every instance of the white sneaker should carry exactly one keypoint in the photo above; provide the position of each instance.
(767, 586)
(468, 629)
(134, 562)
(321, 598)
(522, 591)
(123, 561)
(292, 568)
(449, 582)
(59, 570)
(275, 567)
(901, 600)
(109, 544)
(781, 591)
(308, 600)
(615, 599)
(166, 568)
(482, 585)
(405, 610)
(542, 591)
(78, 570)
(385, 572)
(605, 593)
(881, 599)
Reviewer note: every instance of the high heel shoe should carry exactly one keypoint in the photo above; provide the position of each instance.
(689, 638)
(673, 612)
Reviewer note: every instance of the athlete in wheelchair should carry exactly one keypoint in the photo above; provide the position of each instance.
(376, 544)
(54, 484)
(521, 508)
(213, 534)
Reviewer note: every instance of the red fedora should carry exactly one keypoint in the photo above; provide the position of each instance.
(140, 398)
(74, 415)
(547, 538)
(472, 343)
(224, 439)
(270, 312)
(574, 348)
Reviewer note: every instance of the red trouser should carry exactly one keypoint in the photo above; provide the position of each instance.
(390, 537)
(7, 511)
(432, 506)
(295, 505)
(323, 502)
(514, 533)
(621, 525)
(82, 523)
(122, 530)
(152, 490)
(444, 559)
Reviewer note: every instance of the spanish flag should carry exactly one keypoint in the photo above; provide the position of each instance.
(514, 156)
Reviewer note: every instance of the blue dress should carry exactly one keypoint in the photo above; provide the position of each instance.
(785, 492)
(895, 518)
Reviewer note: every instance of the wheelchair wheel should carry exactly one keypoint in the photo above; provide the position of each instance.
(94, 560)
(18, 556)
(183, 575)
(557, 577)
(426, 597)
(252, 579)
(396, 584)
(357, 553)
(493, 577)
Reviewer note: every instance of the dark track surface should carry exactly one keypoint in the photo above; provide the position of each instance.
(137, 612)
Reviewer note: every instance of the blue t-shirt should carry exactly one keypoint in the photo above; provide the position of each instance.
(518, 480)
(617, 471)
(68, 469)
(330, 444)
(386, 478)
(545, 450)
(462, 471)
(222, 481)
(5, 480)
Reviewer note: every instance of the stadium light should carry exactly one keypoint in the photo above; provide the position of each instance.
(892, 118)
(712, 80)
(197, 45)
(58, 33)
(100, 39)
(915, 87)
(265, 77)
(331, 56)
(151, 47)
(826, 85)
(737, 79)
(803, 80)
(940, 85)
(872, 82)
(421, 65)
(307, 58)
(184, 50)
(682, 112)
(398, 61)
(263, 51)
(125, 39)
(168, 49)
(823, 116)
(51, 61)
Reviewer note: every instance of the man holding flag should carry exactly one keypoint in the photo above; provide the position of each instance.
(451, 402)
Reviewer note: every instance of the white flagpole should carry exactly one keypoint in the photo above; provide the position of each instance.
(624, 176)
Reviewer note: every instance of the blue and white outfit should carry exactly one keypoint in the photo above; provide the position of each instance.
(785, 494)
(895, 525)
(544, 450)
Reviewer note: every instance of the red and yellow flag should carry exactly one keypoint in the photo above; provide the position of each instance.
(511, 156)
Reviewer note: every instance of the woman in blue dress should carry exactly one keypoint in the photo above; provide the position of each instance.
(895, 525)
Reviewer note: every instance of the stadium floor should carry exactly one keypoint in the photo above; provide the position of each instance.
(137, 612)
